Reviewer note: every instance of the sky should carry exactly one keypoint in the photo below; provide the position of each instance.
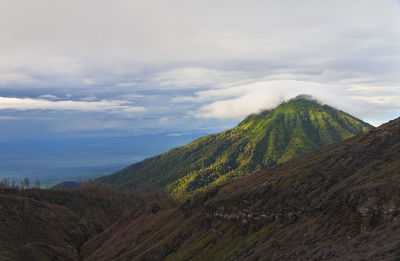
(99, 67)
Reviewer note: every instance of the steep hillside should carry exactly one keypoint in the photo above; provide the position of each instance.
(341, 202)
(52, 225)
(260, 141)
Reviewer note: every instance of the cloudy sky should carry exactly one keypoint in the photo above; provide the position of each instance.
(100, 67)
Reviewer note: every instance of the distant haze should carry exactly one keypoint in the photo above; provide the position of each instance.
(59, 159)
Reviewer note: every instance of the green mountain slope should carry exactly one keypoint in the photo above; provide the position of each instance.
(260, 141)
(341, 202)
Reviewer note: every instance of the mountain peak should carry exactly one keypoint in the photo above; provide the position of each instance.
(304, 97)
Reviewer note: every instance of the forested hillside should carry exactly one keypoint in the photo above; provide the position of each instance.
(262, 140)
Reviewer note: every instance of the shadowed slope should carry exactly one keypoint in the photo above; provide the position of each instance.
(52, 225)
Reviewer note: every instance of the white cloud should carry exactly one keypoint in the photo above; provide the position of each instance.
(24, 104)
(164, 121)
(133, 109)
(9, 118)
(125, 84)
(14, 78)
(240, 101)
(131, 96)
(49, 97)
(175, 135)
(88, 81)
(88, 124)
(193, 77)
(89, 98)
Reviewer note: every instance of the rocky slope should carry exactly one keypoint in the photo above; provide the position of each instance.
(260, 141)
(341, 202)
(52, 225)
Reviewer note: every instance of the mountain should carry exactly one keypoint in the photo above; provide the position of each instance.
(341, 202)
(262, 140)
